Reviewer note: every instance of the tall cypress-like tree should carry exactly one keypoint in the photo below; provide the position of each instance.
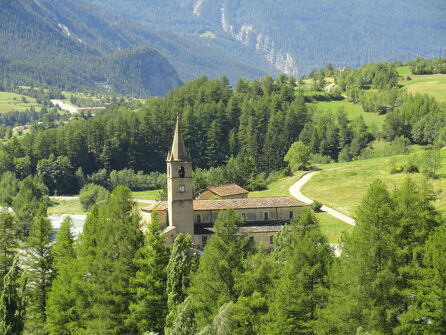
(13, 302)
(182, 264)
(427, 311)
(63, 250)
(365, 276)
(109, 267)
(302, 287)
(214, 282)
(40, 270)
(149, 306)
(8, 244)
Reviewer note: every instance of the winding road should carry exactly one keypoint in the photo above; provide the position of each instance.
(295, 191)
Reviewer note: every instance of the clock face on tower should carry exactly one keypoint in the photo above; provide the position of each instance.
(181, 188)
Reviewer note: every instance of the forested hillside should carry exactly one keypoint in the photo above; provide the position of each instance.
(300, 36)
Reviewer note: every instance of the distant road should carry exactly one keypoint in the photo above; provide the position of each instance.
(65, 106)
(295, 191)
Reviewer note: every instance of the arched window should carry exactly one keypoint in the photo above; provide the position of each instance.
(181, 172)
(266, 216)
(291, 214)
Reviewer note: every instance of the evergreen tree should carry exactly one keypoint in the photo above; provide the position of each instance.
(8, 244)
(8, 188)
(149, 306)
(214, 282)
(184, 322)
(40, 270)
(13, 301)
(182, 263)
(302, 287)
(364, 278)
(427, 311)
(107, 265)
(63, 250)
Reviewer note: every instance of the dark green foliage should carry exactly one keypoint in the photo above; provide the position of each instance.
(182, 264)
(214, 282)
(40, 270)
(92, 194)
(57, 174)
(148, 308)
(9, 187)
(302, 288)
(428, 66)
(8, 244)
(426, 313)
(63, 249)
(13, 301)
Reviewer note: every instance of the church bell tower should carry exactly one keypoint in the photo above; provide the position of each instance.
(179, 185)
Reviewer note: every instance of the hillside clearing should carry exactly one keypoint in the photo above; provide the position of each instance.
(343, 185)
(16, 102)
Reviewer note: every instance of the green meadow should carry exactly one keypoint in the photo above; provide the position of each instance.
(343, 185)
(16, 102)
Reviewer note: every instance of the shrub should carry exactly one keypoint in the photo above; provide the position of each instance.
(92, 194)
(316, 206)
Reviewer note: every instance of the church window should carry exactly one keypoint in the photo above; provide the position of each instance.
(291, 214)
(198, 218)
(266, 216)
(244, 216)
(181, 172)
(271, 239)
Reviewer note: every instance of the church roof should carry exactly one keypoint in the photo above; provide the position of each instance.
(178, 152)
(244, 203)
(227, 190)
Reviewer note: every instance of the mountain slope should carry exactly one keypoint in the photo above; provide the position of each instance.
(299, 36)
(63, 45)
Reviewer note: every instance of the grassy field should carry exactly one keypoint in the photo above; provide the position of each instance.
(342, 185)
(59, 207)
(16, 102)
(353, 111)
(146, 195)
(434, 85)
(278, 188)
(331, 226)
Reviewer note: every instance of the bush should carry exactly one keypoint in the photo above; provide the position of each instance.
(411, 168)
(396, 170)
(316, 206)
(92, 194)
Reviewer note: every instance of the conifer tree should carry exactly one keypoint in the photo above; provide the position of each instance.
(149, 306)
(364, 278)
(63, 250)
(40, 270)
(8, 244)
(184, 321)
(214, 282)
(13, 302)
(427, 311)
(115, 239)
(182, 263)
(301, 289)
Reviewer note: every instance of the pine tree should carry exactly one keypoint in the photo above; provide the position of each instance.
(63, 250)
(109, 267)
(214, 282)
(427, 311)
(149, 306)
(182, 263)
(13, 302)
(40, 270)
(302, 287)
(8, 244)
(364, 278)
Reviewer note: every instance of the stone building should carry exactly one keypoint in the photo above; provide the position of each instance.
(181, 213)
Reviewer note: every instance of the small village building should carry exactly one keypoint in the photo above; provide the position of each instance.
(231, 191)
(181, 213)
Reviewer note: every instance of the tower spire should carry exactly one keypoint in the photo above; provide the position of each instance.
(178, 152)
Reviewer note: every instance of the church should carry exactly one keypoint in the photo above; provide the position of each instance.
(184, 213)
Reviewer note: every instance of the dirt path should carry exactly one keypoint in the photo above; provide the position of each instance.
(295, 191)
